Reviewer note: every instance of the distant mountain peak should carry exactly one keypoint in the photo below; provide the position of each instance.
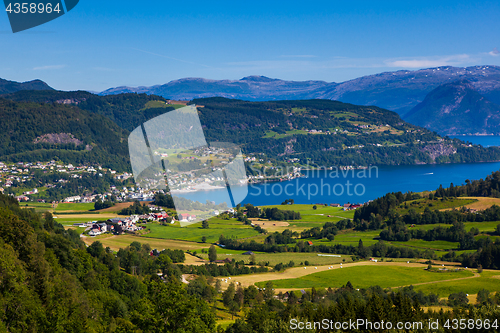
(259, 78)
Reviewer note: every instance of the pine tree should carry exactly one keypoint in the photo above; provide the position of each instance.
(212, 253)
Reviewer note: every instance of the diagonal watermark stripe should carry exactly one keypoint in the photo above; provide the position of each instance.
(26, 15)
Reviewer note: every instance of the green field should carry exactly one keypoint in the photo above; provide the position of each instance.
(37, 206)
(276, 258)
(232, 228)
(420, 205)
(320, 214)
(161, 104)
(484, 227)
(78, 207)
(122, 241)
(352, 238)
(299, 110)
(194, 233)
(489, 280)
(366, 276)
(67, 221)
(343, 114)
(432, 245)
(79, 230)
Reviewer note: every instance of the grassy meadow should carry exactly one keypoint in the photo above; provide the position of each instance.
(366, 276)
(488, 279)
(75, 207)
(122, 241)
(275, 258)
(195, 232)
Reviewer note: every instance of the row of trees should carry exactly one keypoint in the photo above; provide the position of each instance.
(380, 249)
(135, 209)
(456, 233)
(329, 230)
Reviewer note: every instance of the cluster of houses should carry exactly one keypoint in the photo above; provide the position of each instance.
(24, 171)
(126, 224)
(347, 206)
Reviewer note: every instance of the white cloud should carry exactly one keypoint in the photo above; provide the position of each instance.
(423, 62)
(416, 63)
(494, 53)
(43, 68)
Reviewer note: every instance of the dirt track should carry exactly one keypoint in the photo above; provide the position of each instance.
(480, 204)
(296, 272)
(476, 275)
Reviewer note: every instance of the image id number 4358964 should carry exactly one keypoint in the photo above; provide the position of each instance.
(32, 8)
(462, 324)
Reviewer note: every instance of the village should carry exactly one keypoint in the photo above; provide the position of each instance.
(121, 224)
(118, 225)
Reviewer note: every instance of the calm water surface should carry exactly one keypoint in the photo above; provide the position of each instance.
(361, 186)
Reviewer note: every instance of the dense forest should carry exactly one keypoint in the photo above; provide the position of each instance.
(51, 282)
(127, 110)
(31, 132)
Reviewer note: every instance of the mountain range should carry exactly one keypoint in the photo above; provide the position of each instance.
(448, 100)
(398, 91)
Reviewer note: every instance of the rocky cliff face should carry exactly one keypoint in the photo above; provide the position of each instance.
(439, 149)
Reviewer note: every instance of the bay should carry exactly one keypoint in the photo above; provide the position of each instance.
(360, 186)
(483, 140)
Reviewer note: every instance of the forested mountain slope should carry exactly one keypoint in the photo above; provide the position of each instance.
(328, 133)
(7, 87)
(31, 132)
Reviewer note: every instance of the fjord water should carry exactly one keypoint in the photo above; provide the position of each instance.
(360, 186)
(483, 140)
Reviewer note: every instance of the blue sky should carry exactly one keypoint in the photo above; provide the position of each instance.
(103, 44)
